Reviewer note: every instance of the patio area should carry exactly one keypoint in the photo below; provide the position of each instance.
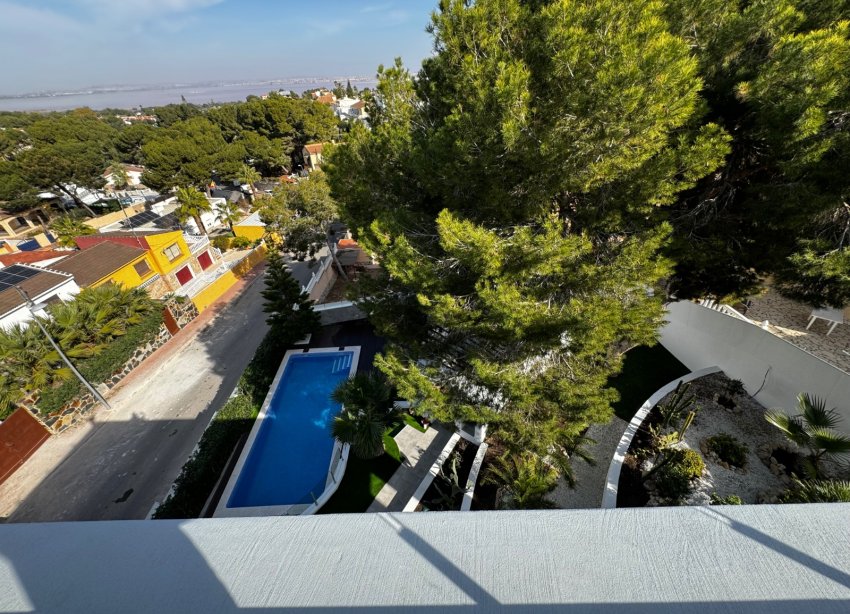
(788, 319)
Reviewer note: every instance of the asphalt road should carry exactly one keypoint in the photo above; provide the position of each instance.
(124, 460)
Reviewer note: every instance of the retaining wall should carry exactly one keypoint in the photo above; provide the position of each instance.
(772, 370)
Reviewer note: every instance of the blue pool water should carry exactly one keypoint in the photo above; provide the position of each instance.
(292, 452)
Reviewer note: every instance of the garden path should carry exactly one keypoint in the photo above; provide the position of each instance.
(420, 451)
(591, 479)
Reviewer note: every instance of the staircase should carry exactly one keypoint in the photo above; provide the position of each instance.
(342, 363)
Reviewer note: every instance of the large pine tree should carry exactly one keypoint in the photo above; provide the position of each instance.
(512, 191)
(777, 78)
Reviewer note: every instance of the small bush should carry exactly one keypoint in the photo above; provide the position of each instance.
(728, 449)
(730, 500)
(222, 243)
(818, 491)
(240, 242)
(673, 480)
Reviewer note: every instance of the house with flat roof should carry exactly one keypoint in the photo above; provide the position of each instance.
(23, 224)
(124, 265)
(43, 287)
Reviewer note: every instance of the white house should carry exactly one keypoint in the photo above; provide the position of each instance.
(350, 108)
(43, 286)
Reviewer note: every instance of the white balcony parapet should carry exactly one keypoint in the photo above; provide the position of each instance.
(196, 243)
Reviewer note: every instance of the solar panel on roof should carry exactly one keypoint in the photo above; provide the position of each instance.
(15, 274)
(167, 221)
(140, 219)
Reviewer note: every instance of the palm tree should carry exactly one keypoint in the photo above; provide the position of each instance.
(366, 414)
(813, 428)
(524, 481)
(68, 228)
(120, 180)
(818, 491)
(192, 204)
(228, 213)
(248, 174)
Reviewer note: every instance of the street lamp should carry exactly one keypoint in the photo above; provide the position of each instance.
(33, 308)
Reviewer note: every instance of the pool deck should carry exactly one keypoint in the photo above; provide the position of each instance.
(419, 451)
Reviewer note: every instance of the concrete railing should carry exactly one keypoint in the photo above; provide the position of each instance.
(432, 473)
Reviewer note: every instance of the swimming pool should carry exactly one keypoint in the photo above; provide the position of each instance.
(291, 463)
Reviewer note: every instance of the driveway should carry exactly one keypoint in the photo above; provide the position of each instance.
(117, 465)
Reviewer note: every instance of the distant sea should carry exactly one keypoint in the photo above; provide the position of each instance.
(128, 97)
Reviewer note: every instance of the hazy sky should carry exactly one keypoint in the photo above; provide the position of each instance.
(55, 44)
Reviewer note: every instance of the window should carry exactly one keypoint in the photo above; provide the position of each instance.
(172, 252)
(142, 268)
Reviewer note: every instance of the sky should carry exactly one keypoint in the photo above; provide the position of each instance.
(68, 44)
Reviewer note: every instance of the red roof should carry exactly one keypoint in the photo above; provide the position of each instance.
(123, 238)
(358, 105)
(314, 148)
(326, 99)
(32, 256)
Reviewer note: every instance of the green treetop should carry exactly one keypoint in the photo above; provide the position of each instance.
(512, 192)
(289, 311)
(777, 77)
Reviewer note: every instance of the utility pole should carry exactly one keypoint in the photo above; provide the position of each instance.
(32, 309)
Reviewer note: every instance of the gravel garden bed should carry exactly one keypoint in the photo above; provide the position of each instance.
(744, 458)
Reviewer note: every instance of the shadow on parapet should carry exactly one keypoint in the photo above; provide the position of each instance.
(282, 565)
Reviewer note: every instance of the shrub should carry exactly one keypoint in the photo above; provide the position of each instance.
(100, 367)
(728, 449)
(818, 491)
(673, 480)
(222, 243)
(730, 500)
(240, 242)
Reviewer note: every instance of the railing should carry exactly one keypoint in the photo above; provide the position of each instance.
(317, 275)
(196, 243)
(150, 281)
(729, 311)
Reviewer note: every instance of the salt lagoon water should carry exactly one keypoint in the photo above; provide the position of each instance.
(153, 96)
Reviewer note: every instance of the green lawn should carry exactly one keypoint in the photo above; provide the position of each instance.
(363, 480)
(645, 370)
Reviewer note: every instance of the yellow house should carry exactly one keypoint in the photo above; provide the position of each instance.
(252, 227)
(173, 262)
(106, 263)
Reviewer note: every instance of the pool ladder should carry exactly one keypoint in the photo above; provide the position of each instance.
(343, 363)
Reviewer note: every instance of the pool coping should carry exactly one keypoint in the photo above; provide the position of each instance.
(336, 466)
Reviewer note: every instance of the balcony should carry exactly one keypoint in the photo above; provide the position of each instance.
(196, 243)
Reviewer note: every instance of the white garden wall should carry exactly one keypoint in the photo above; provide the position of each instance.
(772, 369)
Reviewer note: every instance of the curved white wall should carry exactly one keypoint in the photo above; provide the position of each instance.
(778, 371)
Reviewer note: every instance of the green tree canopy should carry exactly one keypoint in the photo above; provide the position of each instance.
(777, 77)
(192, 203)
(187, 153)
(514, 192)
